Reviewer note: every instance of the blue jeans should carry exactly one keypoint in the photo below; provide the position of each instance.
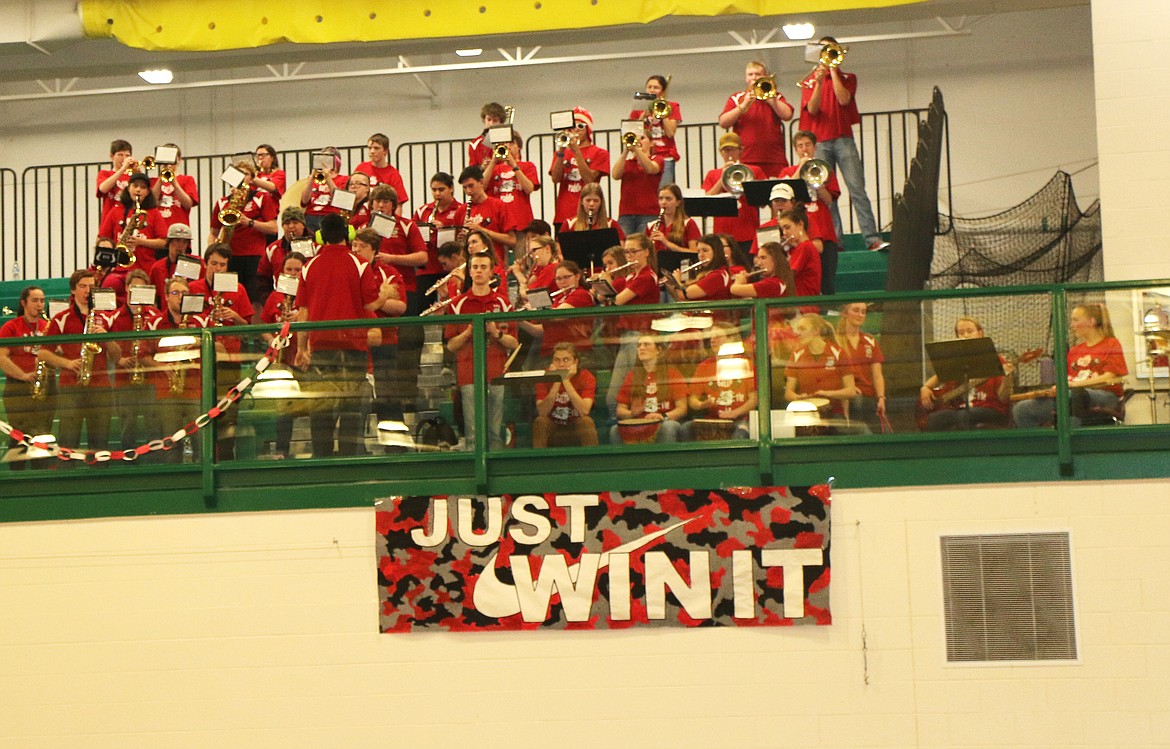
(634, 223)
(667, 174)
(495, 415)
(1041, 412)
(842, 155)
(623, 364)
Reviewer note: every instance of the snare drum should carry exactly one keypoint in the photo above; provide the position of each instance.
(709, 430)
(638, 431)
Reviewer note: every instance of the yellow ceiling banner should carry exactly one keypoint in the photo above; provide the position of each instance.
(236, 24)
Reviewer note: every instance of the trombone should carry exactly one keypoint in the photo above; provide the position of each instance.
(832, 54)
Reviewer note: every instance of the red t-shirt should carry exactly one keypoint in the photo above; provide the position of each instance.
(385, 175)
(24, 357)
(406, 241)
(563, 410)
(691, 233)
(805, 262)
(760, 130)
(237, 301)
(114, 223)
(248, 241)
(334, 287)
(725, 395)
(569, 189)
(867, 353)
(742, 227)
(115, 278)
(479, 150)
(576, 330)
(319, 200)
(111, 199)
(659, 397)
(505, 186)
(272, 260)
(825, 371)
(430, 214)
(834, 120)
(644, 284)
(163, 269)
(663, 144)
(717, 284)
(492, 215)
(474, 304)
(1103, 358)
(121, 320)
(639, 188)
(380, 273)
(567, 226)
(191, 378)
(277, 178)
(168, 206)
(769, 287)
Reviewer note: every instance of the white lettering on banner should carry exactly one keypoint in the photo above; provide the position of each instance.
(575, 585)
(695, 597)
(619, 587)
(438, 532)
(743, 587)
(577, 504)
(521, 513)
(495, 523)
(792, 562)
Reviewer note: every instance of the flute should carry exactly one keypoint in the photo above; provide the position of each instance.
(443, 281)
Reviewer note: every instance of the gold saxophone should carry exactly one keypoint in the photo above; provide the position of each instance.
(89, 349)
(177, 375)
(134, 222)
(233, 213)
(40, 387)
(216, 306)
(137, 371)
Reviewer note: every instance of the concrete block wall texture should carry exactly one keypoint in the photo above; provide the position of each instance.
(260, 630)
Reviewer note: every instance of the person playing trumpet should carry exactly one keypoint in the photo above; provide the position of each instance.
(317, 197)
(828, 109)
(580, 164)
(640, 171)
(661, 130)
(512, 181)
(743, 226)
(176, 196)
(111, 182)
(758, 121)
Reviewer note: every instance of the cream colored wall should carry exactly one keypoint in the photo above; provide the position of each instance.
(1019, 89)
(1131, 48)
(261, 631)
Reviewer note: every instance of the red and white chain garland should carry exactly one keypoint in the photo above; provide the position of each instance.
(281, 341)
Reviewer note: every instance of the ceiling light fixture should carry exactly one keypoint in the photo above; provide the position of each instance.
(157, 77)
(469, 52)
(798, 31)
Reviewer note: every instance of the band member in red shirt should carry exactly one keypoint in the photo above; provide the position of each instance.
(487, 213)
(803, 257)
(381, 171)
(758, 122)
(820, 217)
(661, 131)
(640, 172)
(269, 175)
(653, 390)
(178, 245)
(176, 196)
(562, 408)
(111, 182)
(513, 181)
(443, 210)
(774, 277)
(248, 236)
(292, 224)
(479, 150)
(318, 195)
(742, 227)
(819, 367)
(576, 166)
(33, 416)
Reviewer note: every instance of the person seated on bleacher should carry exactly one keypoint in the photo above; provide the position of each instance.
(866, 355)
(724, 386)
(563, 407)
(1096, 370)
(949, 406)
(820, 217)
(653, 391)
(819, 367)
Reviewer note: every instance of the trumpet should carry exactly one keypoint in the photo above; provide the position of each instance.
(148, 163)
(764, 87)
(167, 174)
(815, 172)
(319, 177)
(659, 109)
(562, 139)
(629, 140)
(601, 273)
(500, 151)
(734, 175)
(443, 281)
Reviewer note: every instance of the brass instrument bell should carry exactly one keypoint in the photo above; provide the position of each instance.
(832, 54)
(660, 109)
(734, 175)
(629, 139)
(815, 173)
(764, 87)
(500, 151)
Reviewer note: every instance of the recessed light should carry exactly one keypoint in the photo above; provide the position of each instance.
(157, 77)
(799, 31)
(469, 52)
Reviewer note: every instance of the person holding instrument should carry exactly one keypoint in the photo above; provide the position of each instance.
(111, 182)
(661, 118)
(757, 116)
(176, 194)
(820, 218)
(591, 213)
(640, 172)
(653, 390)
(562, 408)
(27, 380)
(318, 196)
(773, 277)
(1096, 368)
(512, 181)
(673, 232)
(714, 395)
(714, 280)
(638, 285)
(743, 225)
(269, 175)
(576, 166)
(949, 406)
(802, 257)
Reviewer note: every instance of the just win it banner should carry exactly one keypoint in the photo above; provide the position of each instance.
(686, 558)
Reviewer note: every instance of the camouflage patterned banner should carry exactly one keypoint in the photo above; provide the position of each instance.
(690, 558)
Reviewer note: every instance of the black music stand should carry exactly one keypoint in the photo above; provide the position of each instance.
(963, 360)
(585, 248)
(711, 205)
(758, 191)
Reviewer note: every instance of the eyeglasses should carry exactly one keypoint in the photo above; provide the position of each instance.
(176, 293)
(581, 126)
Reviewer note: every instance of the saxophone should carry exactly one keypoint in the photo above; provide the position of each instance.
(233, 213)
(177, 375)
(137, 371)
(134, 222)
(89, 349)
(40, 387)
